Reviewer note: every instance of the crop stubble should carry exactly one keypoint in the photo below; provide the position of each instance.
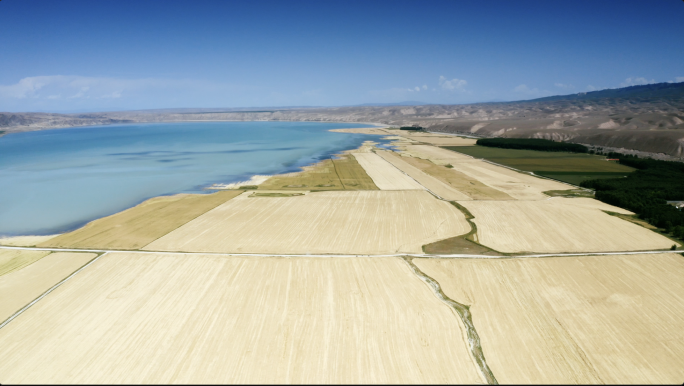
(436, 186)
(384, 174)
(21, 286)
(558, 225)
(590, 319)
(136, 227)
(132, 318)
(367, 222)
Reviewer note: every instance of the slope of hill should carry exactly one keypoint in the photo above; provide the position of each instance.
(645, 118)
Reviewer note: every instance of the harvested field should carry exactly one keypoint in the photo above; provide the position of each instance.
(438, 187)
(440, 139)
(437, 155)
(363, 222)
(473, 188)
(331, 174)
(352, 175)
(518, 185)
(362, 130)
(591, 319)
(13, 260)
(130, 318)
(321, 176)
(557, 225)
(25, 241)
(384, 174)
(136, 227)
(20, 287)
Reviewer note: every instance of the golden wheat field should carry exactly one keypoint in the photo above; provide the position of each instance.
(385, 175)
(154, 318)
(517, 185)
(363, 222)
(440, 139)
(21, 286)
(436, 186)
(14, 259)
(362, 130)
(590, 319)
(136, 227)
(462, 182)
(556, 225)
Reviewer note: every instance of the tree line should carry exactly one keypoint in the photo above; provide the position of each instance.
(646, 190)
(532, 144)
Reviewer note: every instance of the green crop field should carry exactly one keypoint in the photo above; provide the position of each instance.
(568, 167)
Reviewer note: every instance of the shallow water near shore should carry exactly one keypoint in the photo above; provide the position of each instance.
(58, 180)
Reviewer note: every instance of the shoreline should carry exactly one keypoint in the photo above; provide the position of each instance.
(209, 188)
(25, 129)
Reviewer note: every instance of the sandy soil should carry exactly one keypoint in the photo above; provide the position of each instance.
(384, 174)
(25, 241)
(365, 222)
(592, 319)
(556, 225)
(436, 186)
(20, 287)
(207, 319)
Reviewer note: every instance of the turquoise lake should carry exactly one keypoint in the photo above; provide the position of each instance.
(58, 180)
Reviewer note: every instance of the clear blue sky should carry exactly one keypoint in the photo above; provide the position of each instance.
(68, 56)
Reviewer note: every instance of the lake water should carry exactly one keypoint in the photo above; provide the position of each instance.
(57, 180)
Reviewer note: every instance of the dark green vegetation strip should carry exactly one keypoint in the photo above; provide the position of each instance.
(572, 168)
(532, 144)
(576, 178)
(646, 191)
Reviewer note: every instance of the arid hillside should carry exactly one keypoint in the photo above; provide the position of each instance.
(646, 118)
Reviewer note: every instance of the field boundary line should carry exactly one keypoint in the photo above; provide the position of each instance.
(463, 311)
(416, 255)
(44, 294)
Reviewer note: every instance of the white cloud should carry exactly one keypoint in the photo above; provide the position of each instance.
(417, 88)
(523, 89)
(591, 88)
(453, 84)
(679, 79)
(425, 86)
(636, 82)
(563, 85)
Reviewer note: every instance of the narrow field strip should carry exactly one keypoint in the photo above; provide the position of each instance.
(22, 294)
(385, 175)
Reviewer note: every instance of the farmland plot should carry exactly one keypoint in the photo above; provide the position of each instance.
(436, 186)
(472, 187)
(557, 225)
(142, 224)
(366, 222)
(384, 174)
(21, 286)
(440, 139)
(132, 318)
(591, 319)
